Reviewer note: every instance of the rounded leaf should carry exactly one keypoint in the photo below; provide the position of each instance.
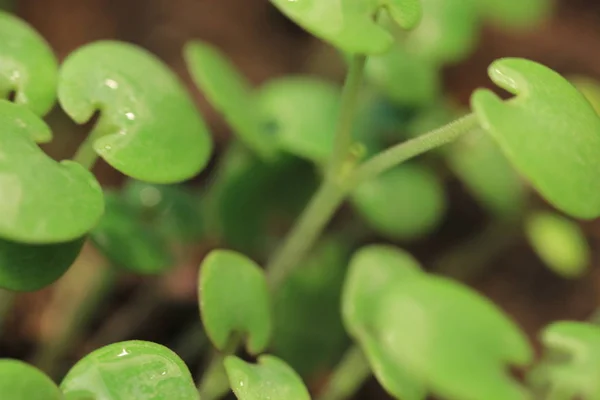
(132, 370)
(549, 132)
(150, 128)
(375, 270)
(21, 381)
(234, 299)
(559, 242)
(27, 268)
(302, 114)
(404, 203)
(28, 67)
(41, 201)
(231, 95)
(349, 24)
(271, 378)
(452, 338)
(127, 242)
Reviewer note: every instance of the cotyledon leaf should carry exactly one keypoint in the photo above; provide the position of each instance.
(349, 24)
(234, 299)
(41, 201)
(27, 267)
(149, 128)
(271, 378)
(28, 66)
(549, 132)
(21, 381)
(132, 370)
(374, 270)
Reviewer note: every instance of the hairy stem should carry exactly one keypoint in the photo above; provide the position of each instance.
(348, 376)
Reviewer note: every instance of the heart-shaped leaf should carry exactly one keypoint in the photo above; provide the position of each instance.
(172, 210)
(234, 299)
(123, 238)
(451, 338)
(229, 93)
(132, 370)
(374, 270)
(41, 201)
(21, 381)
(149, 128)
(571, 363)
(559, 242)
(28, 66)
(25, 267)
(308, 332)
(487, 174)
(271, 378)
(350, 24)
(404, 203)
(302, 113)
(515, 13)
(549, 131)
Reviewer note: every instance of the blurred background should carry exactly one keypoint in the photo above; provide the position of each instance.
(263, 44)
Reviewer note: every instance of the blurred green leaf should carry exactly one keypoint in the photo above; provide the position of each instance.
(234, 299)
(27, 65)
(302, 113)
(404, 203)
(350, 24)
(21, 381)
(230, 94)
(150, 132)
(375, 270)
(308, 330)
(590, 88)
(515, 13)
(549, 131)
(559, 242)
(448, 336)
(271, 378)
(132, 370)
(126, 242)
(571, 363)
(172, 210)
(42, 201)
(478, 162)
(26, 267)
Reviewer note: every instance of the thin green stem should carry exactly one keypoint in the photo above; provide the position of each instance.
(402, 152)
(348, 376)
(85, 154)
(214, 383)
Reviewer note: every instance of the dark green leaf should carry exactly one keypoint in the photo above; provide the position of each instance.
(21, 381)
(234, 299)
(133, 370)
(151, 132)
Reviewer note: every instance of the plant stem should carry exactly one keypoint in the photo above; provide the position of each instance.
(215, 383)
(348, 376)
(405, 151)
(85, 154)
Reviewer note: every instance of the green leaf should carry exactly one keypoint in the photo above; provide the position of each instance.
(549, 131)
(302, 113)
(234, 299)
(308, 330)
(150, 132)
(349, 24)
(487, 174)
(515, 13)
(271, 378)
(21, 381)
(404, 77)
(25, 267)
(28, 66)
(230, 94)
(123, 238)
(560, 243)
(404, 203)
(452, 338)
(590, 88)
(172, 210)
(41, 201)
(571, 363)
(132, 370)
(374, 270)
